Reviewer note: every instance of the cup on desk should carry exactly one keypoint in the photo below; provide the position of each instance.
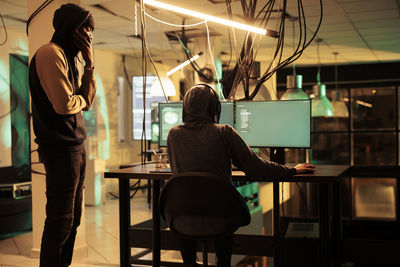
(160, 160)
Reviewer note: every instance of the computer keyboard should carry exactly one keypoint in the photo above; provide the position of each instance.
(162, 170)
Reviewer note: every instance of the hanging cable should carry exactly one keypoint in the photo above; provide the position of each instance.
(36, 172)
(283, 200)
(37, 11)
(193, 63)
(143, 143)
(293, 44)
(303, 42)
(303, 197)
(5, 31)
(336, 70)
(156, 71)
(126, 72)
(319, 62)
(212, 61)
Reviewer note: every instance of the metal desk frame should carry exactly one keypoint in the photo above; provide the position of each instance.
(327, 176)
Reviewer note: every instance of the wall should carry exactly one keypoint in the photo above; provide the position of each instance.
(16, 44)
(108, 67)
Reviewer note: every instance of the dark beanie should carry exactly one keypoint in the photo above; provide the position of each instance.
(66, 20)
(71, 17)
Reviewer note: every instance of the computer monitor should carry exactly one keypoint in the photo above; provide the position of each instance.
(138, 107)
(170, 115)
(274, 123)
(227, 113)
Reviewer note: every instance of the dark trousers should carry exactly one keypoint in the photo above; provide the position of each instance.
(65, 174)
(223, 249)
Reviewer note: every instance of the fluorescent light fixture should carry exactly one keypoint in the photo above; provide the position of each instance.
(180, 66)
(206, 17)
(362, 103)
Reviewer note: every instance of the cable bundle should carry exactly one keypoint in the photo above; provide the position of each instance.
(247, 55)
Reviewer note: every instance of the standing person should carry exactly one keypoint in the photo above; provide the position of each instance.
(201, 144)
(57, 103)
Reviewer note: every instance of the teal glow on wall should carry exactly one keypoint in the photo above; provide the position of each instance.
(103, 138)
(98, 188)
(6, 133)
(218, 87)
(20, 109)
(90, 119)
(5, 118)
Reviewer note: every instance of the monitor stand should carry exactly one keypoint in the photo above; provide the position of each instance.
(277, 154)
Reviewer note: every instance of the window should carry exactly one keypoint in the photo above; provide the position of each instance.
(368, 136)
(377, 148)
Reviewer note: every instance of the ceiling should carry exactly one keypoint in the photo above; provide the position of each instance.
(358, 30)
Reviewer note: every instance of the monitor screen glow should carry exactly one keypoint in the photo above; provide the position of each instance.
(170, 115)
(274, 123)
(227, 113)
(137, 106)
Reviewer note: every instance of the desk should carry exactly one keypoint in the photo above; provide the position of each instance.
(324, 175)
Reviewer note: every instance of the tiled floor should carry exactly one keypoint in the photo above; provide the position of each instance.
(101, 234)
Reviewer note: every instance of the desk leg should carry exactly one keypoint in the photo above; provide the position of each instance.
(124, 222)
(337, 222)
(276, 207)
(156, 224)
(149, 193)
(324, 223)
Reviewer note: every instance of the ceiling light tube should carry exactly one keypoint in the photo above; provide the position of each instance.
(205, 16)
(180, 66)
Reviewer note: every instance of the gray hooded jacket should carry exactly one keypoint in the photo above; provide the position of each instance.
(201, 144)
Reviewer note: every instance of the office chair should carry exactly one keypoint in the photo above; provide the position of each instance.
(202, 207)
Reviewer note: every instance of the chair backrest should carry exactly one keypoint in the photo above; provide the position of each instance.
(202, 206)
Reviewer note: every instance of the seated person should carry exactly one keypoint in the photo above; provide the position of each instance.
(201, 144)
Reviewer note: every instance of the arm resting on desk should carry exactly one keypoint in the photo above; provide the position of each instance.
(245, 159)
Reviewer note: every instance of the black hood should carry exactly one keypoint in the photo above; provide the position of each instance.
(201, 105)
(67, 19)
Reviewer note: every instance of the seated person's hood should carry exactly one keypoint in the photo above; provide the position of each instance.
(201, 106)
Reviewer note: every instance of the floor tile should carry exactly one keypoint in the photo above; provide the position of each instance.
(102, 236)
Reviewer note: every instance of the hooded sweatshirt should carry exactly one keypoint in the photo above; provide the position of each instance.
(57, 98)
(201, 144)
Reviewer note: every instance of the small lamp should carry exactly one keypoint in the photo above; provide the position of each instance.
(294, 88)
(320, 104)
(338, 105)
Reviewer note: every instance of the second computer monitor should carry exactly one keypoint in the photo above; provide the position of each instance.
(274, 123)
(170, 115)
